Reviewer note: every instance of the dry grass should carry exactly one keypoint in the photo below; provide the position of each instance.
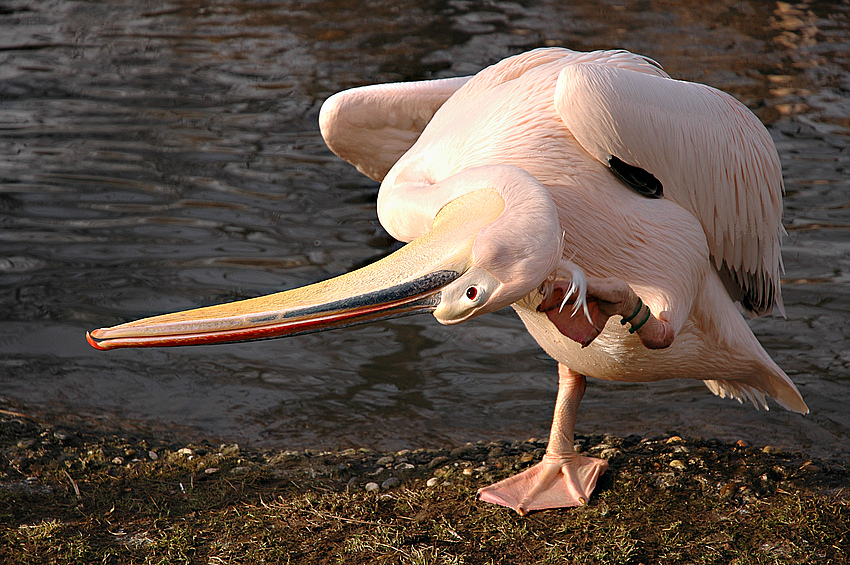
(73, 502)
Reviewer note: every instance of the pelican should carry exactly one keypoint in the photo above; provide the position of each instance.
(628, 218)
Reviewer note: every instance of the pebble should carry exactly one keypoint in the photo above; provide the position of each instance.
(385, 461)
(187, 451)
(210, 470)
(770, 450)
(390, 483)
(679, 465)
(372, 487)
(437, 461)
(728, 490)
(810, 467)
(153, 456)
(228, 450)
(432, 482)
(675, 439)
(118, 460)
(462, 450)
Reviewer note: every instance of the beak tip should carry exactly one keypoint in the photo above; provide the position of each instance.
(92, 339)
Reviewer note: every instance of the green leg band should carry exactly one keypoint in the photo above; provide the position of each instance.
(639, 325)
(625, 321)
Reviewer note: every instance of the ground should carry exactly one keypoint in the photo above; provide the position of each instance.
(89, 496)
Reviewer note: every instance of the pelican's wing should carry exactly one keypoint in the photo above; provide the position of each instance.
(371, 127)
(705, 150)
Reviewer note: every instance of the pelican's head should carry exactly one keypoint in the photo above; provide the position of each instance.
(466, 265)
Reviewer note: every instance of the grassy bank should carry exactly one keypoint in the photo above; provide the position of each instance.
(69, 496)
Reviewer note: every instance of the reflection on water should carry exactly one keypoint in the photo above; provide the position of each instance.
(166, 156)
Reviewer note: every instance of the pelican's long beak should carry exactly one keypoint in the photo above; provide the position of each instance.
(404, 283)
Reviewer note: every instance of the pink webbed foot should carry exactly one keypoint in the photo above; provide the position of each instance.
(555, 482)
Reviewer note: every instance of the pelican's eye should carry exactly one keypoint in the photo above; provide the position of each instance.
(468, 296)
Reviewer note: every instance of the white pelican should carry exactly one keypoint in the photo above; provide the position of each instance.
(620, 212)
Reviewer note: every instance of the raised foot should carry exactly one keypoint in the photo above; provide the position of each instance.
(555, 482)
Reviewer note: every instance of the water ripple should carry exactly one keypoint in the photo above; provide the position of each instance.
(166, 156)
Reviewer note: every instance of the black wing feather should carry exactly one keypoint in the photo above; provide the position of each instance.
(641, 181)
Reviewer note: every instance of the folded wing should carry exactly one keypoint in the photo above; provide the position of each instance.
(710, 154)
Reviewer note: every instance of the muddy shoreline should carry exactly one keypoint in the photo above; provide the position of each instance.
(78, 495)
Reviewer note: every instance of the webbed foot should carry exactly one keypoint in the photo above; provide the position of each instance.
(556, 482)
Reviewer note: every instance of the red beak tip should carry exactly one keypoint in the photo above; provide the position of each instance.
(93, 342)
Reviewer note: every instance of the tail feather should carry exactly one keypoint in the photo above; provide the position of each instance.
(756, 376)
(786, 395)
(739, 392)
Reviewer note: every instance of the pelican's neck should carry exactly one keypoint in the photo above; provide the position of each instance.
(408, 203)
(521, 247)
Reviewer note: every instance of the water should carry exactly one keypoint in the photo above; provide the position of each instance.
(157, 156)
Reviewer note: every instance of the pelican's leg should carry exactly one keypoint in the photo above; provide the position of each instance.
(604, 298)
(564, 478)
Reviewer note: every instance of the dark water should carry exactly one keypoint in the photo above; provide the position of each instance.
(157, 156)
